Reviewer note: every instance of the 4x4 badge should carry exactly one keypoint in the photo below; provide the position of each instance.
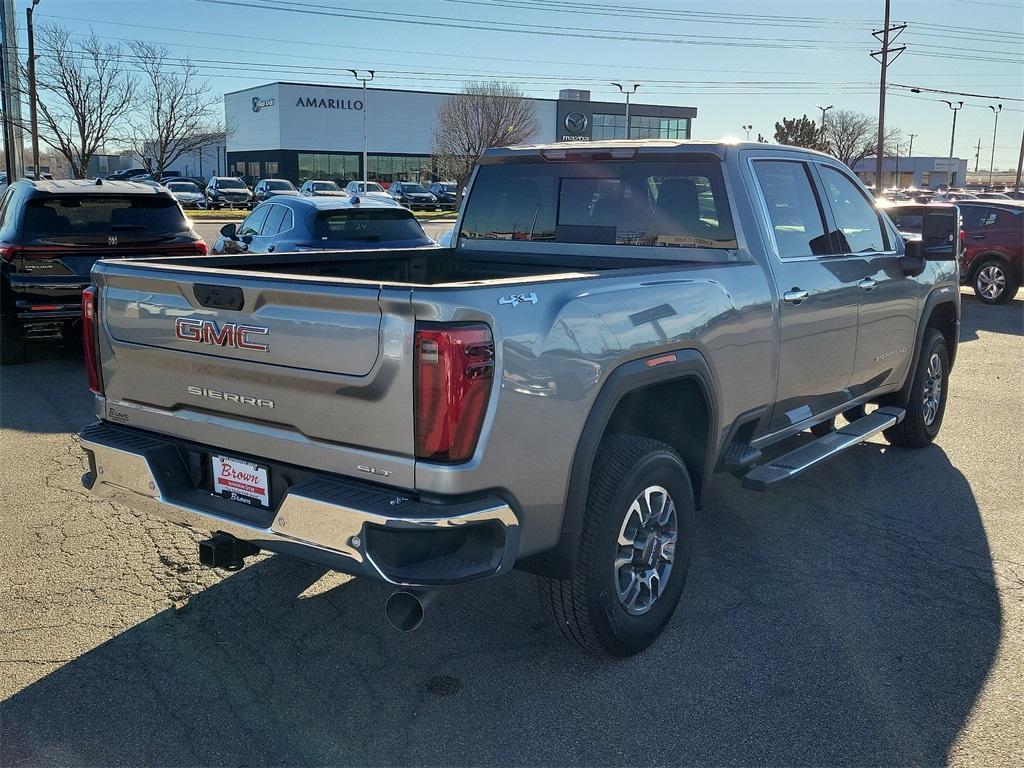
(518, 298)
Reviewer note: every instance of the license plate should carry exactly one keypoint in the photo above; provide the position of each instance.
(241, 481)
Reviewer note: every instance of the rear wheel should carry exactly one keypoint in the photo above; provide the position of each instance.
(12, 343)
(927, 402)
(995, 282)
(635, 550)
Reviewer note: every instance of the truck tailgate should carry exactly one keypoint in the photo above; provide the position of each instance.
(256, 365)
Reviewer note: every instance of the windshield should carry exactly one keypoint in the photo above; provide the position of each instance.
(279, 185)
(680, 204)
(370, 187)
(182, 186)
(325, 186)
(367, 226)
(416, 188)
(230, 184)
(99, 216)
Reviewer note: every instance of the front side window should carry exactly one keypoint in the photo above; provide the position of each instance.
(796, 218)
(858, 226)
(979, 217)
(669, 204)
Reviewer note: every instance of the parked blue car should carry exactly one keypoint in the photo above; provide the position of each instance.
(323, 223)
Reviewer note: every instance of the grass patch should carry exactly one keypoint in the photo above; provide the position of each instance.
(225, 213)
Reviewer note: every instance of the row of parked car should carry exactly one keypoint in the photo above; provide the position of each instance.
(233, 192)
(52, 232)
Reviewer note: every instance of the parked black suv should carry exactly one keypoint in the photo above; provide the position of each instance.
(444, 191)
(228, 191)
(52, 232)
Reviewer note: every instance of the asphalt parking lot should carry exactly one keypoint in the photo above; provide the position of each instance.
(869, 612)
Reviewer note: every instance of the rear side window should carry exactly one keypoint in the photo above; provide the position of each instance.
(797, 221)
(366, 226)
(101, 215)
(660, 204)
(980, 217)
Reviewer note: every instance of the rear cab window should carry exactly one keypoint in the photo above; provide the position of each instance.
(669, 204)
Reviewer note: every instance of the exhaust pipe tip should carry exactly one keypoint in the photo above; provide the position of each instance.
(404, 611)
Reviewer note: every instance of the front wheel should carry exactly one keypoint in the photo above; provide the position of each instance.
(995, 282)
(634, 551)
(926, 404)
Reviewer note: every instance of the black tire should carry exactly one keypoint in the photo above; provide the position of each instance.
(12, 343)
(994, 281)
(586, 607)
(916, 430)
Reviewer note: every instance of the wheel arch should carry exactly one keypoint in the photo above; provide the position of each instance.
(984, 256)
(684, 414)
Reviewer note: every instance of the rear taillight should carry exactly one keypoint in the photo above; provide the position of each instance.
(90, 340)
(8, 252)
(454, 373)
(200, 247)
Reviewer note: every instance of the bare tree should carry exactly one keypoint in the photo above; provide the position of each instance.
(84, 93)
(484, 114)
(852, 136)
(177, 114)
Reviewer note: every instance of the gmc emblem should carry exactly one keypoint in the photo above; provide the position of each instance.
(230, 335)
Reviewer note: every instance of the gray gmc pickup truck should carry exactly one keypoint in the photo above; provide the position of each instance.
(613, 324)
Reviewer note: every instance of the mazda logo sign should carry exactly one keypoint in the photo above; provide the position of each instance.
(575, 122)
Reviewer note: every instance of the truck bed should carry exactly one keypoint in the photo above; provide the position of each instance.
(436, 267)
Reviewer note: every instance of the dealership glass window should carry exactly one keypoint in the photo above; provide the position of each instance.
(390, 168)
(608, 127)
(647, 127)
(328, 166)
(271, 170)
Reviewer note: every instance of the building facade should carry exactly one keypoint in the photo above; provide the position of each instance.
(920, 172)
(301, 131)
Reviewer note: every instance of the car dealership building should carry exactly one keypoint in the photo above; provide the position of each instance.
(302, 131)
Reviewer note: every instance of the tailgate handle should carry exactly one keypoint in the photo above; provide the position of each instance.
(218, 296)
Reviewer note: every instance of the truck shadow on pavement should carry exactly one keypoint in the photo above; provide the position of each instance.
(838, 620)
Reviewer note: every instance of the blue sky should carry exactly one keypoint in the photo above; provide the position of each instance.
(738, 62)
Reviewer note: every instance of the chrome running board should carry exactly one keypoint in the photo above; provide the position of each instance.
(806, 456)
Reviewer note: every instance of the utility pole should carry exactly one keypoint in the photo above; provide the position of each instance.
(885, 61)
(364, 79)
(896, 183)
(950, 175)
(32, 95)
(992, 157)
(1020, 165)
(910, 151)
(623, 90)
(977, 156)
(748, 129)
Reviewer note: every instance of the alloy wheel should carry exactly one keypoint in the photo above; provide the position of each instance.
(991, 282)
(646, 549)
(932, 390)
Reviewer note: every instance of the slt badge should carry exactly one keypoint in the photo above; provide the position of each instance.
(518, 298)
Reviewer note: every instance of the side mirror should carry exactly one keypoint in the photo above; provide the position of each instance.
(230, 231)
(247, 239)
(912, 260)
(940, 234)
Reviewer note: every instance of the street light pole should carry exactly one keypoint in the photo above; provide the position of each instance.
(748, 129)
(992, 157)
(950, 177)
(364, 79)
(622, 89)
(823, 109)
(32, 96)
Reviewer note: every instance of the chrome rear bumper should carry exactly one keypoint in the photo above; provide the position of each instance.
(351, 527)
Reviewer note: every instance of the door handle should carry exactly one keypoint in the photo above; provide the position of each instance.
(795, 296)
(977, 237)
(867, 284)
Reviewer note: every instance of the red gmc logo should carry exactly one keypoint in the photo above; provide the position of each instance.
(230, 335)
